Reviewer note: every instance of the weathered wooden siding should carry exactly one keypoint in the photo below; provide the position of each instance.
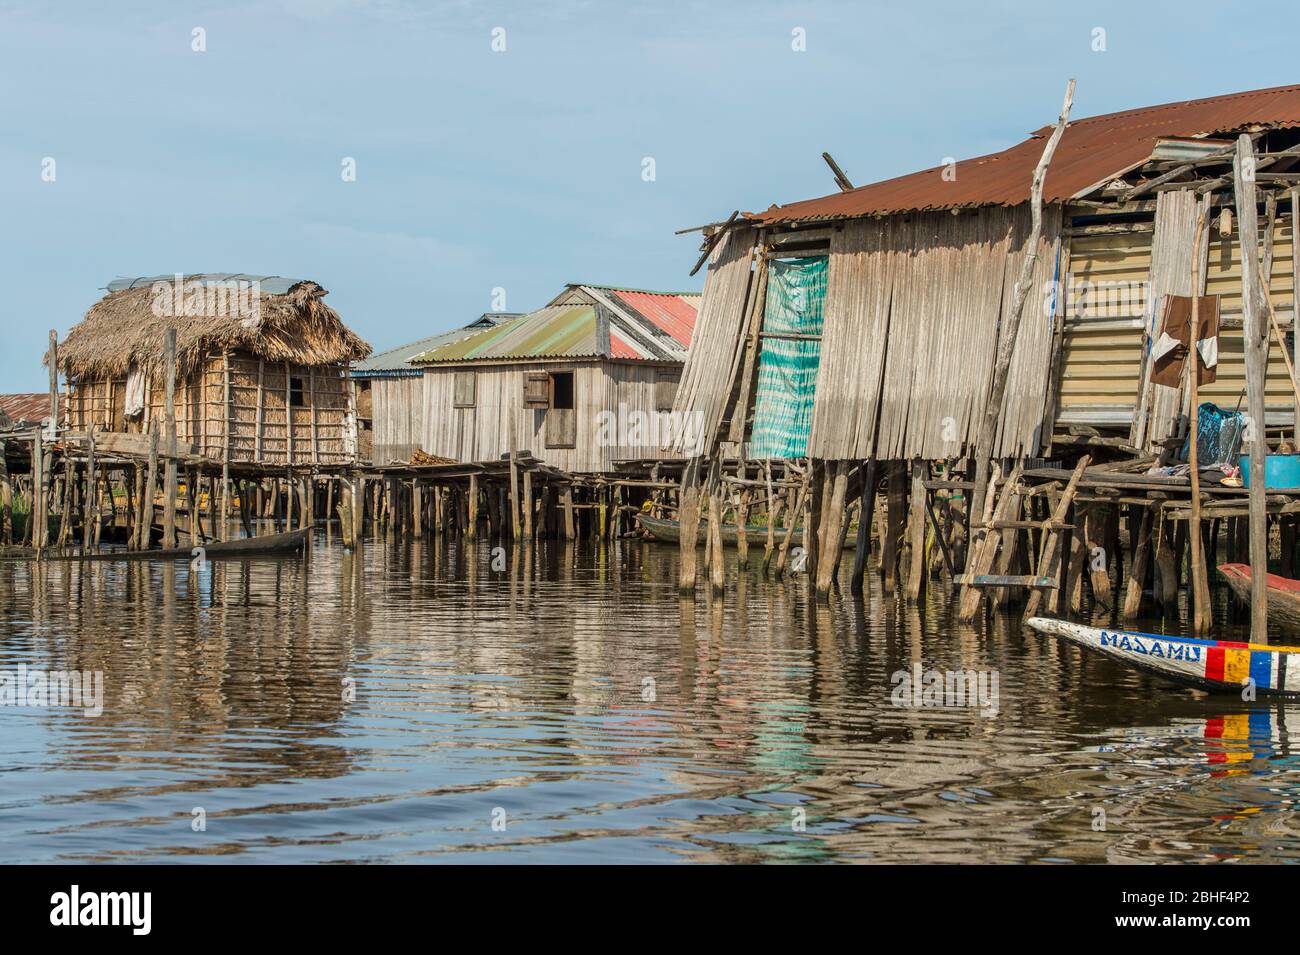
(397, 418)
(926, 294)
(605, 393)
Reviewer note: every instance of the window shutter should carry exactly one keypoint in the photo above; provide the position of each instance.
(464, 390)
(665, 389)
(537, 390)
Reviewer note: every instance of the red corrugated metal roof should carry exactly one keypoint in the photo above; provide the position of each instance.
(621, 349)
(1091, 151)
(26, 407)
(674, 314)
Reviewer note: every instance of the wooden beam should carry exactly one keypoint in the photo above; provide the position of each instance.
(841, 179)
(1008, 335)
(1255, 342)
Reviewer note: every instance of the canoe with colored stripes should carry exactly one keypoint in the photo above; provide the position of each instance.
(1283, 593)
(1222, 665)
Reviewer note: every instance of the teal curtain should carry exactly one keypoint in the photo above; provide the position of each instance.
(787, 368)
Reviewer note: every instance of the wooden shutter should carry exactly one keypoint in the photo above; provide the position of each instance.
(561, 428)
(665, 389)
(464, 388)
(537, 389)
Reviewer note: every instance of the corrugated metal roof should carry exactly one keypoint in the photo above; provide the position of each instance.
(1091, 151)
(396, 362)
(643, 326)
(672, 313)
(32, 408)
(271, 284)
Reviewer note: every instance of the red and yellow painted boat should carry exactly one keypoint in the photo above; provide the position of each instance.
(1221, 665)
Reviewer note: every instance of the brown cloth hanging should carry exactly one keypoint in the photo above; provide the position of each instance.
(1171, 356)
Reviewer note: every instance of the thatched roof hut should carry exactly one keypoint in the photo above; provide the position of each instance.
(261, 366)
(126, 326)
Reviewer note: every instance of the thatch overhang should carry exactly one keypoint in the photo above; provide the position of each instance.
(127, 327)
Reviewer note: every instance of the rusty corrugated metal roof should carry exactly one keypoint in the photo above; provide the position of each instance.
(1091, 151)
(30, 408)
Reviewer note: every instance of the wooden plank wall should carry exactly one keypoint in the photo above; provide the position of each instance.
(926, 293)
(482, 433)
(706, 378)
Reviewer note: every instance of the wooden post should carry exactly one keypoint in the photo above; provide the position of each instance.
(916, 529)
(742, 522)
(528, 503)
(570, 530)
(1255, 342)
(1094, 531)
(471, 531)
(1008, 334)
(417, 505)
(1050, 561)
(832, 527)
(865, 514)
(792, 518)
(169, 483)
(36, 513)
(893, 525)
(717, 566)
(1137, 570)
(88, 525)
(6, 499)
(688, 520)
(1200, 597)
(221, 530)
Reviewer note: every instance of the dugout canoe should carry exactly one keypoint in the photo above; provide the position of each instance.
(1216, 665)
(1283, 594)
(268, 545)
(667, 531)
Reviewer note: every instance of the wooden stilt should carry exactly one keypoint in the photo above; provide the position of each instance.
(865, 516)
(916, 527)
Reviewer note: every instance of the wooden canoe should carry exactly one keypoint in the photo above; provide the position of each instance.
(268, 545)
(1218, 665)
(670, 531)
(1283, 594)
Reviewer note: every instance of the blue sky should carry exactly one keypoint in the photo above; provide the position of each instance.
(519, 169)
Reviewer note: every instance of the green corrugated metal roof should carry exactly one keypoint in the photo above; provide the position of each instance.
(566, 331)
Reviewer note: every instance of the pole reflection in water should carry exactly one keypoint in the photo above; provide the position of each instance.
(436, 701)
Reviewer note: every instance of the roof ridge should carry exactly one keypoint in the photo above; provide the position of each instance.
(1174, 104)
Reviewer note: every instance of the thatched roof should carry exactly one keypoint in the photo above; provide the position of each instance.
(128, 326)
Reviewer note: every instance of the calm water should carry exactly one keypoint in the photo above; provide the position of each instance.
(391, 708)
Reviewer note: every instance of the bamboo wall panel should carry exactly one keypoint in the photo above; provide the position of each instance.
(914, 305)
(201, 411)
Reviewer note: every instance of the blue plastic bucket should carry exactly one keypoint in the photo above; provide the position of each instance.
(1281, 471)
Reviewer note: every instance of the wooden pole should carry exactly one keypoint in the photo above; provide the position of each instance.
(1007, 342)
(1255, 341)
(1201, 617)
(916, 526)
(169, 483)
(832, 526)
(865, 515)
(222, 529)
(688, 520)
(88, 524)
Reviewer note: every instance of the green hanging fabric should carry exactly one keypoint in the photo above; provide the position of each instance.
(787, 367)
